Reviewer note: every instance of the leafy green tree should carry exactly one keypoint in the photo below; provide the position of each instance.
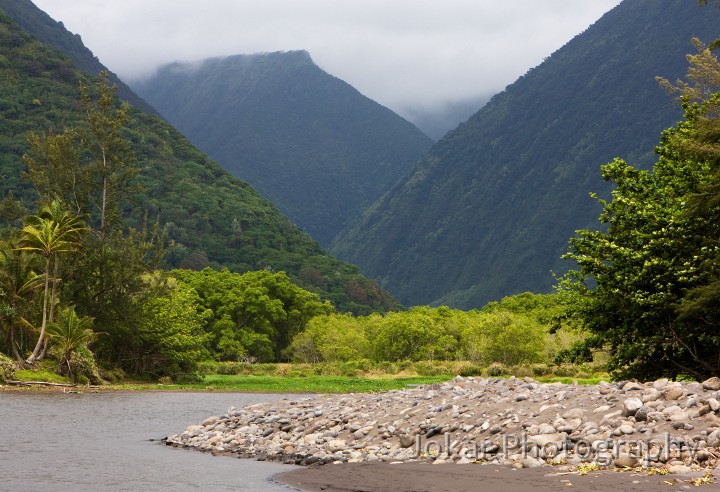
(90, 166)
(54, 168)
(169, 338)
(241, 343)
(70, 333)
(252, 312)
(402, 337)
(333, 338)
(646, 286)
(112, 160)
(18, 284)
(50, 233)
(504, 337)
(107, 284)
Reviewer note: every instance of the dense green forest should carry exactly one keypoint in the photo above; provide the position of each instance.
(488, 210)
(89, 284)
(512, 332)
(212, 218)
(96, 196)
(317, 148)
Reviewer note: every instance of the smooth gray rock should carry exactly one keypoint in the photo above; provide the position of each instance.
(712, 384)
(641, 415)
(631, 406)
(673, 393)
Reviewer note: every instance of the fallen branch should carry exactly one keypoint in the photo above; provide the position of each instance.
(39, 383)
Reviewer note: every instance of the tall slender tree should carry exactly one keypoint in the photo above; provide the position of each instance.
(112, 160)
(50, 233)
(18, 284)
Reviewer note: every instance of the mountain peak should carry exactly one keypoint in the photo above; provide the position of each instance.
(489, 210)
(305, 139)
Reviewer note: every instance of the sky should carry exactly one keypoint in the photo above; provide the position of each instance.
(403, 54)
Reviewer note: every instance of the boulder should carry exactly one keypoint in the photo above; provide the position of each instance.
(712, 384)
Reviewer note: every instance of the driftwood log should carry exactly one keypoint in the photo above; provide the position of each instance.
(39, 383)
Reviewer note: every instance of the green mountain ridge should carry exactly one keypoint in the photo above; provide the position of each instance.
(215, 219)
(47, 30)
(311, 143)
(488, 211)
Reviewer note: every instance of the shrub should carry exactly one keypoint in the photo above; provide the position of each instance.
(496, 369)
(207, 367)
(540, 370)
(565, 370)
(386, 367)
(188, 378)
(114, 374)
(404, 365)
(467, 370)
(430, 368)
(83, 369)
(7, 369)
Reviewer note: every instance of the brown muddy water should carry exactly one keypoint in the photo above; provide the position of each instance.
(102, 441)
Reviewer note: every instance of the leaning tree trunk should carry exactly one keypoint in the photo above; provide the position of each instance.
(39, 345)
(53, 302)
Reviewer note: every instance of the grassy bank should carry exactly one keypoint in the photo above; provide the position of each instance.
(254, 384)
(348, 377)
(368, 369)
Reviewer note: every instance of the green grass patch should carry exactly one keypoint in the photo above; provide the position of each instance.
(39, 375)
(312, 384)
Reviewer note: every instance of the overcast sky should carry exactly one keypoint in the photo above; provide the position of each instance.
(401, 53)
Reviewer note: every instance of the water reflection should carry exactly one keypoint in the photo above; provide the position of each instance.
(101, 441)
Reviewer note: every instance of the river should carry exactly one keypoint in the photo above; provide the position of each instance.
(102, 441)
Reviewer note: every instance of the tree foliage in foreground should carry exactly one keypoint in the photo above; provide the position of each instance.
(648, 287)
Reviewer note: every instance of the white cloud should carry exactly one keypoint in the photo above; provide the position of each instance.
(401, 53)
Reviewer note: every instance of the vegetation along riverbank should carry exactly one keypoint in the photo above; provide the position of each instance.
(94, 291)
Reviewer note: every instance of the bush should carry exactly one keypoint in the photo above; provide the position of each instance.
(113, 374)
(467, 370)
(496, 369)
(7, 369)
(188, 378)
(207, 367)
(404, 365)
(429, 368)
(565, 370)
(82, 367)
(386, 367)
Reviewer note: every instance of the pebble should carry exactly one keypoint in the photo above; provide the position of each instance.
(517, 422)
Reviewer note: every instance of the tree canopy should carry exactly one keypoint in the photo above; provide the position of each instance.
(648, 285)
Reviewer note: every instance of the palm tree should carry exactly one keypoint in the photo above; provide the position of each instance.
(71, 332)
(18, 283)
(49, 233)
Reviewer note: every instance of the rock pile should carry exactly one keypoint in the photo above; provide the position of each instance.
(521, 422)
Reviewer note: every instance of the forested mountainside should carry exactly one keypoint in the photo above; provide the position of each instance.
(317, 148)
(48, 30)
(489, 210)
(214, 218)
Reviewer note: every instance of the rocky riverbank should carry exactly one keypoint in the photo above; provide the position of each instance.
(668, 426)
